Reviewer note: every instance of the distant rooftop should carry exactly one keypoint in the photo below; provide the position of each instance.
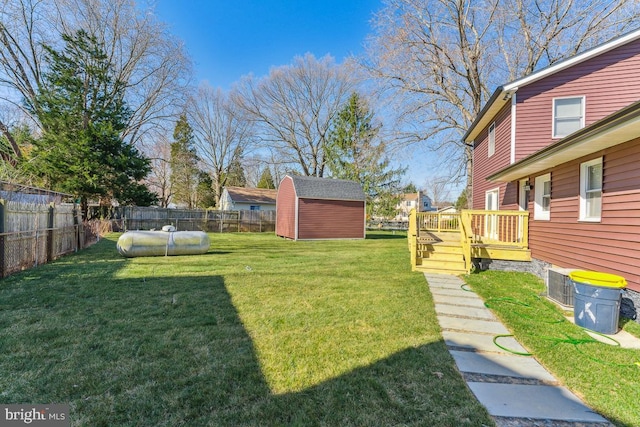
(252, 195)
(23, 193)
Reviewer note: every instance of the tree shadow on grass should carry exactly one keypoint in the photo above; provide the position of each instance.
(169, 351)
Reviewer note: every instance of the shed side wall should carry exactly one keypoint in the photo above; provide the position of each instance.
(330, 219)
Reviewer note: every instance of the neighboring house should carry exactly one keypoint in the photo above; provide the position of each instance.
(448, 210)
(320, 208)
(418, 201)
(244, 199)
(564, 143)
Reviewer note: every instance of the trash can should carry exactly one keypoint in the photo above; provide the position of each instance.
(597, 297)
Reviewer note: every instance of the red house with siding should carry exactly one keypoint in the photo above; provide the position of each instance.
(564, 144)
(309, 208)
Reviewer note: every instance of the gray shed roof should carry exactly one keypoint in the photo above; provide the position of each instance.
(310, 187)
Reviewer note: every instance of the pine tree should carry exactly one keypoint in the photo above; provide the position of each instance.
(355, 152)
(82, 111)
(266, 180)
(184, 164)
(235, 174)
(205, 196)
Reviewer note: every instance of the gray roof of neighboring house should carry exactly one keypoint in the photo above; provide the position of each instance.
(310, 187)
(252, 195)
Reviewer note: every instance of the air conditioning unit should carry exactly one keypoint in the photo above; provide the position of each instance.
(559, 286)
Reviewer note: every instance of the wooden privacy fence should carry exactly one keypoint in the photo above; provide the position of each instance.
(208, 220)
(36, 233)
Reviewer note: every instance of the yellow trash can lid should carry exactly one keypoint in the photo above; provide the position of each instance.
(596, 278)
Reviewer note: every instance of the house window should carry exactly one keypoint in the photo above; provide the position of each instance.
(568, 116)
(254, 207)
(491, 199)
(492, 139)
(591, 190)
(542, 189)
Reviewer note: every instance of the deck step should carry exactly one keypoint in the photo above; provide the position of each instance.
(455, 272)
(457, 264)
(444, 249)
(441, 256)
(440, 253)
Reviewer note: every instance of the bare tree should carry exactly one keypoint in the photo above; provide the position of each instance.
(438, 190)
(265, 158)
(151, 63)
(294, 106)
(438, 60)
(222, 132)
(159, 180)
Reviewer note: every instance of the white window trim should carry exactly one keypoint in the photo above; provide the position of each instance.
(583, 191)
(491, 139)
(538, 188)
(553, 113)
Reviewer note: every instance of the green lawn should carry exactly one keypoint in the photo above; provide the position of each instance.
(606, 376)
(259, 331)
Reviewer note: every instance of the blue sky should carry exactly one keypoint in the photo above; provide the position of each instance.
(228, 39)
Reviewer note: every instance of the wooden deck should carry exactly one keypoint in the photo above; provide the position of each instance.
(448, 243)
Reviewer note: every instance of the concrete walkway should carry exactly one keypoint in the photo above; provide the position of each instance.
(516, 390)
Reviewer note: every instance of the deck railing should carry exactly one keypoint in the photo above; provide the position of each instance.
(480, 226)
(432, 221)
(476, 228)
(503, 228)
(412, 234)
(465, 238)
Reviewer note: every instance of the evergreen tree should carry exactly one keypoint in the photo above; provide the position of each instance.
(206, 197)
(355, 152)
(10, 168)
(184, 164)
(462, 202)
(410, 188)
(83, 113)
(266, 180)
(235, 174)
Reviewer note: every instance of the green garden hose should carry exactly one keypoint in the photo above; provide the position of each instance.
(576, 342)
(519, 353)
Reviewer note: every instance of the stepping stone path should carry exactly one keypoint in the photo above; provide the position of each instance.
(515, 389)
